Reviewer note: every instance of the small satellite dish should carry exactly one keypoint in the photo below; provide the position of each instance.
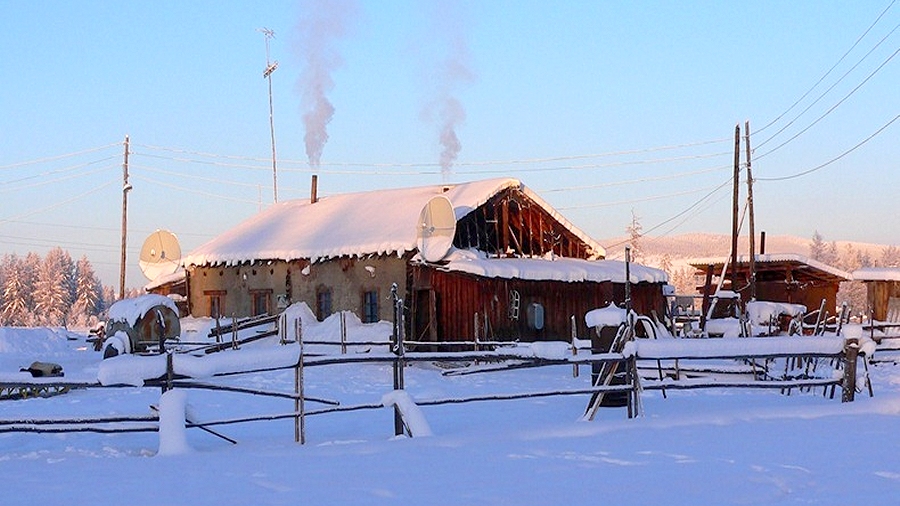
(160, 254)
(436, 228)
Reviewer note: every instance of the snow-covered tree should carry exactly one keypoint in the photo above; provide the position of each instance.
(88, 295)
(890, 256)
(54, 288)
(635, 232)
(15, 311)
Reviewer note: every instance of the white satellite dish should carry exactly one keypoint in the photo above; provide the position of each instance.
(160, 254)
(436, 228)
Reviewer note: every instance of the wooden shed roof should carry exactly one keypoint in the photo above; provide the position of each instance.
(801, 267)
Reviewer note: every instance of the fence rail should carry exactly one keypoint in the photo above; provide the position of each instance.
(646, 353)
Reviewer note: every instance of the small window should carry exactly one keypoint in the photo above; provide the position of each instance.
(370, 306)
(262, 301)
(536, 316)
(323, 303)
(215, 303)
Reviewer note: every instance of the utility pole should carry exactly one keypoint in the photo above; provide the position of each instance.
(750, 209)
(126, 187)
(734, 208)
(267, 74)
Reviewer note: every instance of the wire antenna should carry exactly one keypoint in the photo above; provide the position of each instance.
(267, 74)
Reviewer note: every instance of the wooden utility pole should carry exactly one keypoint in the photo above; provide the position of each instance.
(126, 187)
(734, 207)
(750, 210)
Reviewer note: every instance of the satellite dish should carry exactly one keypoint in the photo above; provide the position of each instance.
(436, 228)
(160, 255)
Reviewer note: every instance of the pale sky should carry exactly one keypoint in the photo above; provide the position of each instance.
(604, 108)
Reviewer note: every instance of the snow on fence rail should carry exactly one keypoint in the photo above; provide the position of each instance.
(180, 371)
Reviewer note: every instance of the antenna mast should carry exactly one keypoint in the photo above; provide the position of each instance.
(267, 74)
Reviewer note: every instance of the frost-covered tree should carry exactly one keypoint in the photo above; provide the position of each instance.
(635, 232)
(817, 247)
(88, 295)
(890, 256)
(15, 311)
(54, 288)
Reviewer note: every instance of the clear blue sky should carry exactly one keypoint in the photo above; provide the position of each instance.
(604, 108)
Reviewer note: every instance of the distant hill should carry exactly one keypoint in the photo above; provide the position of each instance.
(698, 245)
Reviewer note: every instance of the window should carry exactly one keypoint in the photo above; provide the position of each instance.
(323, 303)
(215, 302)
(261, 300)
(370, 306)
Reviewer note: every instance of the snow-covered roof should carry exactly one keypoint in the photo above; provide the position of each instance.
(129, 310)
(353, 224)
(550, 268)
(775, 258)
(877, 274)
(175, 277)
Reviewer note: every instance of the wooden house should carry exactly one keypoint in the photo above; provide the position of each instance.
(883, 292)
(517, 269)
(789, 278)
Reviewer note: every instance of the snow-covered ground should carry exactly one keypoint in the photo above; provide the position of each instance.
(692, 447)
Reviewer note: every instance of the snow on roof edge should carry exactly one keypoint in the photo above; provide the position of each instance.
(774, 257)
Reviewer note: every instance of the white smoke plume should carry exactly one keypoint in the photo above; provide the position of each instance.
(451, 74)
(323, 23)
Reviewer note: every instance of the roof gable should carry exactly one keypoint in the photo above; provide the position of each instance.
(353, 224)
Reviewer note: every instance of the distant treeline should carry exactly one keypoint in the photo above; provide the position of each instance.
(51, 291)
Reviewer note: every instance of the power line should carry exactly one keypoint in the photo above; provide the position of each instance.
(826, 74)
(57, 180)
(782, 129)
(427, 164)
(829, 162)
(57, 157)
(633, 201)
(636, 181)
(682, 213)
(58, 204)
(191, 190)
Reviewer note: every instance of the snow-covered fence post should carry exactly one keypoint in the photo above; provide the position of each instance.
(299, 406)
(234, 333)
(574, 345)
(848, 385)
(398, 351)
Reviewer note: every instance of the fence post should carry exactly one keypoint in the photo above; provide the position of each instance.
(574, 345)
(299, 405)
(848, 386)
(398, 351)
(343, 333)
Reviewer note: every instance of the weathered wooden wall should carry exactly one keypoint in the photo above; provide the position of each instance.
(459, 296)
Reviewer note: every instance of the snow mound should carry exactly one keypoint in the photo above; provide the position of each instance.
(129, 310)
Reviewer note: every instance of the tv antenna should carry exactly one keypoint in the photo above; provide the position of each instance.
(267, 74)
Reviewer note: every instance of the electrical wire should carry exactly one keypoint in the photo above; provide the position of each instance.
(636, 181)
(191, 190)
(56, 180)
(198, 178)
(633, 201)
(782, 129)
(58, 204)
(826, 74)
(58, 157)
(435, 164)
(829, 162)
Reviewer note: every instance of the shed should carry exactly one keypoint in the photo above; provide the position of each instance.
(786, 277)
(882, 292)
